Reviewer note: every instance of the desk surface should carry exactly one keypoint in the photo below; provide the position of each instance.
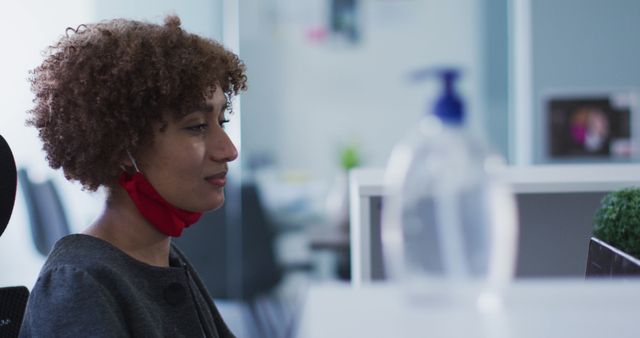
(532, 308)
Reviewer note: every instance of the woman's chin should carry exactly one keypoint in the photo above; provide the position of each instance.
(204, 205)
(214, 203)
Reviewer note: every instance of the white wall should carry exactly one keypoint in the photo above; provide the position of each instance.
(198, 16)
(306, 99)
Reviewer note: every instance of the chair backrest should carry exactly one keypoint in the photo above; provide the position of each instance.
(46, 213)
(234, 257)
(7, 183)
(13, 301)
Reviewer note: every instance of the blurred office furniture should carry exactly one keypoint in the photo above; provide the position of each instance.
(7, 183)
(556, 205)
(13, 300)
(604, 261)
(236, 259)
(46, 213)
(331, 241)
(534, 308)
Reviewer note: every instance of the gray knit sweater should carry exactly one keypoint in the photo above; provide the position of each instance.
(89, 288)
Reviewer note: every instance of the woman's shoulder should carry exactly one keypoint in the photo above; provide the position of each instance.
(106, 263)
(95, 255)
(81, 252)
(74, 294)
(79, 263)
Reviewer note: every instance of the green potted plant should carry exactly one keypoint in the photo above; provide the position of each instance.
(614, 248)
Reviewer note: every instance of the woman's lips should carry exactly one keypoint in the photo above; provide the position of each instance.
(218, 180)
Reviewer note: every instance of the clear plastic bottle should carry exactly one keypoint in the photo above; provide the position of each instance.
(448, 216)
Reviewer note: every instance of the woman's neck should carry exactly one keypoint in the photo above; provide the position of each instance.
(124, 227)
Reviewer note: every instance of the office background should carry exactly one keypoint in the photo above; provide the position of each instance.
(315, 89)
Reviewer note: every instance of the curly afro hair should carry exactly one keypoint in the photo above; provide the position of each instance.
(103, 87)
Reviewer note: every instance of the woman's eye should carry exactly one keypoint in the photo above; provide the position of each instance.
(198, 128)
(223, 122)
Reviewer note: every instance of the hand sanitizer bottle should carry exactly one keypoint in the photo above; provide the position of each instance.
(448, 218)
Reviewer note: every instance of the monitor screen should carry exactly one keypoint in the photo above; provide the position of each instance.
(590, 127)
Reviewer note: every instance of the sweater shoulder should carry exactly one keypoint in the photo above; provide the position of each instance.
(82, 253)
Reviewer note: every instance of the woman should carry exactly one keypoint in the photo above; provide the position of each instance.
(138, 109)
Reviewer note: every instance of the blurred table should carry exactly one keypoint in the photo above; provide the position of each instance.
(330, 246)
(329, 238)
(531, 308)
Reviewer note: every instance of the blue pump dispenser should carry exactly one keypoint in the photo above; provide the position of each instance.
(449, 107)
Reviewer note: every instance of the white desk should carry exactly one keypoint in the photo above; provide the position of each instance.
(365, 184)
(544, 308)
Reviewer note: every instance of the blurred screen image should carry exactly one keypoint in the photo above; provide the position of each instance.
(597, 127)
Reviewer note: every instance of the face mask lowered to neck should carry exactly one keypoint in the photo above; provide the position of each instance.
(164, 216)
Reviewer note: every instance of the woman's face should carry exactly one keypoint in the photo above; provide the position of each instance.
(187, 162)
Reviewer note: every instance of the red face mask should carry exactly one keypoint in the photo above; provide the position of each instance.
(165, 217)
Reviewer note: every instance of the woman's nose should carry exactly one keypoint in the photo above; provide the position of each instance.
(222, 148)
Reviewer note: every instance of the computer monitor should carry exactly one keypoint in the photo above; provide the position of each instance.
(590, 126)
(604, 260)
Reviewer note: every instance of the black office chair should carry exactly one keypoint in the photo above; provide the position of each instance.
(13, 300)
(235, 256)
(7, 183)
(46, 214)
